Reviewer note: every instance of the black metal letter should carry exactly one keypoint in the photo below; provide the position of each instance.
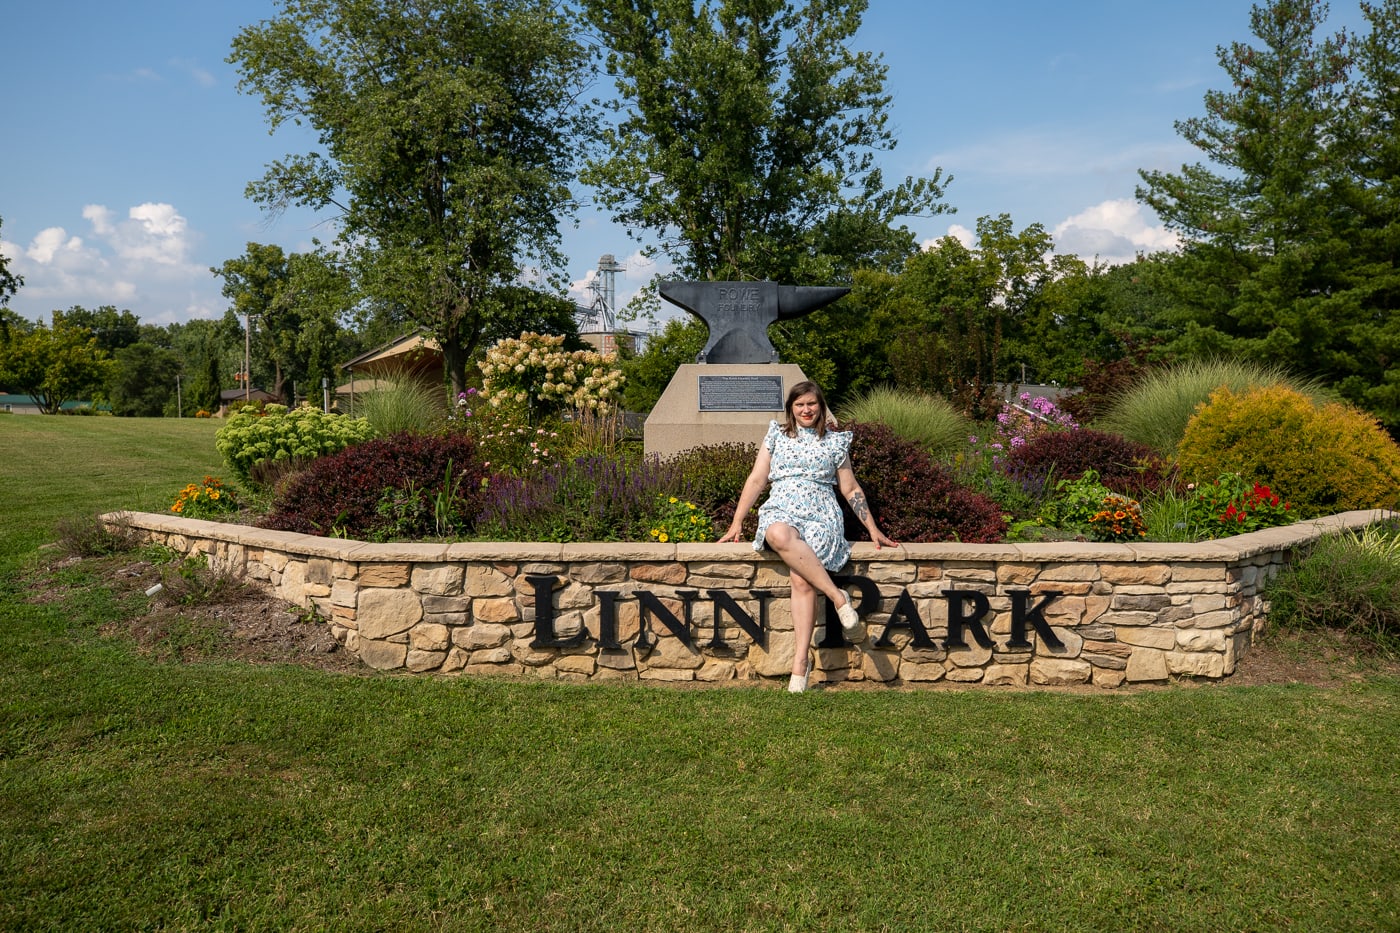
(957, 619)
(607, 621)
(653, 606)
(728, 605)
(906, 615)
(1021, 613)
(545, 636)
(867, 600)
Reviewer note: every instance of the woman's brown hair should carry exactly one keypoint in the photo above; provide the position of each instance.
(795, 393)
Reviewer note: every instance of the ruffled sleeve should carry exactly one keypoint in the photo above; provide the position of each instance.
(840, 443)
(770, 440)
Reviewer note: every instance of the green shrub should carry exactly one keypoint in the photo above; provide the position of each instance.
(1349, 582)
(1074, 502)
(277, 436)
(1155, 410)
(1321, 459)
(713, 477)
(403, 406)
(407, 485)
(928, 420)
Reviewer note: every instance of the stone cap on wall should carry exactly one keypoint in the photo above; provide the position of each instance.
(1239, 547)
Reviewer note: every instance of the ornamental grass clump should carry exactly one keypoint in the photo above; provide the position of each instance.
(1322, 458)
(404, 406)
(928, 420)
(1349, 582)
(252, 442)
(1155, 410)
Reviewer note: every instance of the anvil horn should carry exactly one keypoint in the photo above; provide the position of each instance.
(685, 294)
(797, 300)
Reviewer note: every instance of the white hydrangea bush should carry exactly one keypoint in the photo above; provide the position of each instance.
(535, 372)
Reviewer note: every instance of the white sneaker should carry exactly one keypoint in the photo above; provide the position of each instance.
(797, 683)
(850, 619)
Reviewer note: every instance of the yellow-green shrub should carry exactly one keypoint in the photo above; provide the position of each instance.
(1321, 458)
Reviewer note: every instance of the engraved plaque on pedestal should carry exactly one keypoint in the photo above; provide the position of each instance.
(741, 393)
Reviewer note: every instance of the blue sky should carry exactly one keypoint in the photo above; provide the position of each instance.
(127, 146)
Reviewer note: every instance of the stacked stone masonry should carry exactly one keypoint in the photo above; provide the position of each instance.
(1121, 613)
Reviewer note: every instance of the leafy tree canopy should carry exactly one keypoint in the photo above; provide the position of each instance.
(746, 137)
(54, 364)
(449, 132)
(9, 282)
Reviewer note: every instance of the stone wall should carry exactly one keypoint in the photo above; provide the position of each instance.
(999, 614)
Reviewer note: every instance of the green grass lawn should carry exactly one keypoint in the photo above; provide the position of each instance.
(138, 794)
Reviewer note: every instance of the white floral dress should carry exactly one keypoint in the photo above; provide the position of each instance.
(803, 494)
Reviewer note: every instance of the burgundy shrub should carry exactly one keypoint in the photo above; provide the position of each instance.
(1124, 466)
(342, 491)
(915, 499)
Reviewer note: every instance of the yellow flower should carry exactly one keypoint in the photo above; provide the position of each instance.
(664, 537)
(674, 500)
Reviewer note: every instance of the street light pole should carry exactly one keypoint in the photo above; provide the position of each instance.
(179, 399)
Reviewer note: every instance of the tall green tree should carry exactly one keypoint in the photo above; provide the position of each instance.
(111, 328)
(141, 383)
(298, 301)
(1371, 139)
(746, 137)
(57, 364)
(973, 317)
(449, 131)
(1276, 263)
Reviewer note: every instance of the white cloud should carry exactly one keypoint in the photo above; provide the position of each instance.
(141, 262)
(958, 232)
(1113, 232)
(155, 233)
(49, 245)
(190, 67)
(99, 217)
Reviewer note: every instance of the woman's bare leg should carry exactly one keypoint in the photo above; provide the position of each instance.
(804, 622)
(803, 561)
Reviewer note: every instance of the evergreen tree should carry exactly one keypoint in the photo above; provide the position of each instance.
(1289, 232)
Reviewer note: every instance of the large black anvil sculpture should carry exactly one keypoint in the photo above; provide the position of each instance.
(738, 314)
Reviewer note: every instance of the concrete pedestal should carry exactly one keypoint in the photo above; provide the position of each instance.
(677, 422)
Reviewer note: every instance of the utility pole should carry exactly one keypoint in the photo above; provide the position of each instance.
(247, 358)
(179, 399)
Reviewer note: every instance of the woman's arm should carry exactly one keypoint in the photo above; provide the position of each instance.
(753, 488)
(850, 488)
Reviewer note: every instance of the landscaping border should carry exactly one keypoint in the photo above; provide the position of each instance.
(1034, 614)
